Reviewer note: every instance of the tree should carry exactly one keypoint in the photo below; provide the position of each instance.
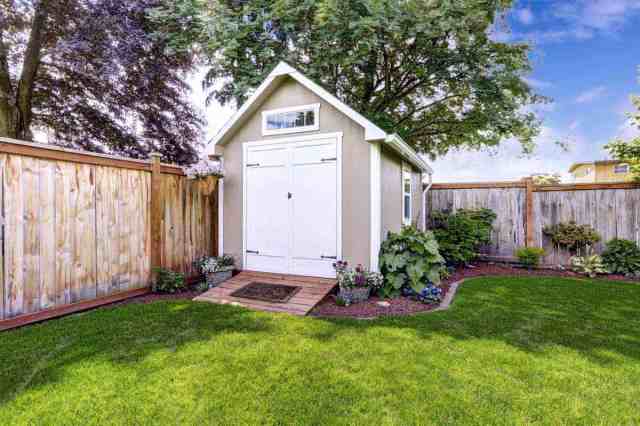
(426, 69)
(92, 75)
(546, 178)
(629, 151)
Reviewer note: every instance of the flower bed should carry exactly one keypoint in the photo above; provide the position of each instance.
(407, 306)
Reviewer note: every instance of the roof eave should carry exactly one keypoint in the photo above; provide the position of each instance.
(407, 153)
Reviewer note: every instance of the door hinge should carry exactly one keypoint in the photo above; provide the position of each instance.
(329, 257)
(289, 195)
(329, 159)
(253, 165)
(253, 252)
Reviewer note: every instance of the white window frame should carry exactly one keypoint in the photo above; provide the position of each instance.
(627, 167)
(300, 108)
(406, 174)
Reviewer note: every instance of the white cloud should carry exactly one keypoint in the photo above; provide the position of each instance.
(507, 162)
(590, 95)
(525, 16)
(538, 84)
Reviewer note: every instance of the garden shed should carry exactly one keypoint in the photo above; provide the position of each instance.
(308, 180)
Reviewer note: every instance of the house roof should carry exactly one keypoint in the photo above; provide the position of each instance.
(593, 163)
(372, 133)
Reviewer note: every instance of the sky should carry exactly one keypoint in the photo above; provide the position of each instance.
(586, 58)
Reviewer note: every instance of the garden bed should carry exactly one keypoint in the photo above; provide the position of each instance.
(406, 306)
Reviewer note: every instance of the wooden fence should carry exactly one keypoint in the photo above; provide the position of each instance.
(82, 229)
(524, 209)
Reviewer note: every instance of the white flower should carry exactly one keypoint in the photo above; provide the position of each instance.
(204, 168)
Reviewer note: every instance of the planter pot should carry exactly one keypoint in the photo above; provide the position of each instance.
(354, 295)
(214, 279)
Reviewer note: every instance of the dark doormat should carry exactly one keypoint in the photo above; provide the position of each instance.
(276, 293)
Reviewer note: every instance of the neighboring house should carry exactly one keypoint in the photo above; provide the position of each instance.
(601, 172)
(308, 180)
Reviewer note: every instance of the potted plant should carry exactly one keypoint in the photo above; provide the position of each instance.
(216, 269)
(355, 285)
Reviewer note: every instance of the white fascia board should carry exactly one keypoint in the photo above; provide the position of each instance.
(406, 152)
(371, 131)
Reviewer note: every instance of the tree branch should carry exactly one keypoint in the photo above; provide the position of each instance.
(30, 69)
(6, 92)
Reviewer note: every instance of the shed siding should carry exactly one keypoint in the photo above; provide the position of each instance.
(355, 171)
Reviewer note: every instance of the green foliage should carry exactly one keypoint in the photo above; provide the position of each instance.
(461, 234)
(428, 70)
(629, 151)
(168, 281)
(571, 236)
(530, 257)
(590, 265)
(622, 257)
(409, 258)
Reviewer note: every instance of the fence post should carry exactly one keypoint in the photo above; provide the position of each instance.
(529, 228)
(157, 208)
(216, 210)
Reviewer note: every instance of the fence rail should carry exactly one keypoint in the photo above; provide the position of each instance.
(79, 228)
(524, 209)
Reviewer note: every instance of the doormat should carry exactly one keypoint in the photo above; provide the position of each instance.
(275, 293)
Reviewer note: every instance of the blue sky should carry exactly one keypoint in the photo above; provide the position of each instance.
(586, 55)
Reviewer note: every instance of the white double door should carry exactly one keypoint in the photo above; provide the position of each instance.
(292, 206)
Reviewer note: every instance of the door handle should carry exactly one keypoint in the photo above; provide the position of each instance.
(253, 252)
(328, 257)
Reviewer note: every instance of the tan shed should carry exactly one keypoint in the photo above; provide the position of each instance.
(308, 180)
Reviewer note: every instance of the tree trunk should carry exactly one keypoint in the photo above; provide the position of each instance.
(16, 112)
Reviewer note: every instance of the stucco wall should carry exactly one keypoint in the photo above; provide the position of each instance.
(392, 193)
(355, 171)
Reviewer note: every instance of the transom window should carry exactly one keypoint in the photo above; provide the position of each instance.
(305, 118)
(406, 196)
(621, 169)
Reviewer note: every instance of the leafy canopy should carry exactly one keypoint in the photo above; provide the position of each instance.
(92, 74)
(426, 69)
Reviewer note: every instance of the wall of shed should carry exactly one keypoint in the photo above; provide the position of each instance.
(355, 171)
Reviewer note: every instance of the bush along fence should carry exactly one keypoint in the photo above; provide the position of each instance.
(82, 229)
(524, 210)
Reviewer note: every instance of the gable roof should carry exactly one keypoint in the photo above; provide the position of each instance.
(372, 133)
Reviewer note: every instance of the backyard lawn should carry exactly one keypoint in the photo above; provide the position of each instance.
(509, 351)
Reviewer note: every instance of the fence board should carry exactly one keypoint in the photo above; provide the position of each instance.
(77, 231)
(613, 211)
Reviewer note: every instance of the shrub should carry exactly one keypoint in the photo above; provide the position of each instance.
(168, 281)
(358, 277)
(622, 257)
(571, 236)
(461, 234)
(209, 265)
(409, 259)
(530, 257)
(590, 265)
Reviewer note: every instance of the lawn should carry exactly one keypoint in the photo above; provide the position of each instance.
(509, 351)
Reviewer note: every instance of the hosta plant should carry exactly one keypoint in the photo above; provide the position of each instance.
(622, 257)
(590, 265)
(409, 259)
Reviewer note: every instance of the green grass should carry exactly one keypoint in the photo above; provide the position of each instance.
(509, 351)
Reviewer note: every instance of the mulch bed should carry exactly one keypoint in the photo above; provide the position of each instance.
(405, 306)
(190, 294)
(275, 293)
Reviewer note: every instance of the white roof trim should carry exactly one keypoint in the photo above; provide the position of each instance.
(371, 131)
(407, 153)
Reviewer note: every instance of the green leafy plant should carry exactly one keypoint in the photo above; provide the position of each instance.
(571, 236)
(590, 265)
(409, 259)
(168, 281)
(460, 235)
(622, 257)
(530, 257)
